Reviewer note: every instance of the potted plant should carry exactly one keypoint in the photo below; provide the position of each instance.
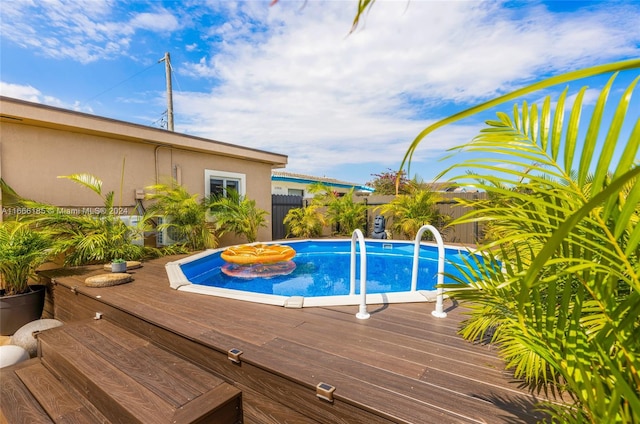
(118, 265)
(22, 251)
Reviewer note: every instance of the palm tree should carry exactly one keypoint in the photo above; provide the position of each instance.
(340, 209)
(411, 211)
(237, 214)
(346, 214)
(183, 214)
(558, 285)
(305, 222)
(95, 237)
(22, 251)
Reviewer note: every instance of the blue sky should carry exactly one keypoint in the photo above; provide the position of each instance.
(290, 79)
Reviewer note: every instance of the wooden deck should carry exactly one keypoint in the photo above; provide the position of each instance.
(400, 366)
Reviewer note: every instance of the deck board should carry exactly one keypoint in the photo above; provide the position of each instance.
(17, 404)
(150, 366)
(132, 397)
(402, 365)
(54, 397)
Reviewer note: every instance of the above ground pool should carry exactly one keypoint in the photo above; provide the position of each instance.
(319, 274)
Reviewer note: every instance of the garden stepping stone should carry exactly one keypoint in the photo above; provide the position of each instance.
(24, 336)
(107, 280)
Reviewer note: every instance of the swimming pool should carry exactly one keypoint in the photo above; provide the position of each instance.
(321, 274)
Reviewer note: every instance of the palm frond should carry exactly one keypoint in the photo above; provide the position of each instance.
(86, 180)
(566, 294)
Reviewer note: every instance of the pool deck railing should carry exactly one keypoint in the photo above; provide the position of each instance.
(438, 312)
(362, 308)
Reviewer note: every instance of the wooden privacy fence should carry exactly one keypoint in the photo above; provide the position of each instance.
(448, 205)
(280, 205)
(469, 233)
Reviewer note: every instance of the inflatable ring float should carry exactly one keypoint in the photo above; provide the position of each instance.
(258, 270)
(248, 254)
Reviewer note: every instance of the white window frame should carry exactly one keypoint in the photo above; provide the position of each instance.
(224, 175)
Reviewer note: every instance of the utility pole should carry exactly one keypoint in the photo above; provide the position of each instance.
(167, 66)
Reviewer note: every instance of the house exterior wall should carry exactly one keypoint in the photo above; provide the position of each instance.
(282, 187)
(33, 158)
(39, 143)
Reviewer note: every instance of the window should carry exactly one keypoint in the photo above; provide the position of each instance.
(218, 182)
(295, 192)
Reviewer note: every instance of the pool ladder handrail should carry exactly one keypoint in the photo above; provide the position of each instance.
(362, 310)
(439, 309)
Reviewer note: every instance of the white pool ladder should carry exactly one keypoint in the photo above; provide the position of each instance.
(362, 311)
(439, 310)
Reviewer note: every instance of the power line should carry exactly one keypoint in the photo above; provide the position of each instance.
(175, 77)
(120, 83)
(161, 122)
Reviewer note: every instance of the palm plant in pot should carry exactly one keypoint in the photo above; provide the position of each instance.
(22, 251)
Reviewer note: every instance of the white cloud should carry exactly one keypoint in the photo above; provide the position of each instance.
(23, 92)
(198, 70)
(307, 89)
(156, 22)
(31, 94)
(290, 79)
(84, 31)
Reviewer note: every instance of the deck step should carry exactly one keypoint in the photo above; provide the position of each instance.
(60, 404)
(128, 379)
(31, 394)
(18, 405)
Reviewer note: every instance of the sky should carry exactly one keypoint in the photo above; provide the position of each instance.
(291, 78)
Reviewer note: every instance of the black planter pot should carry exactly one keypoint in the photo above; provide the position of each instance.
(20, 309)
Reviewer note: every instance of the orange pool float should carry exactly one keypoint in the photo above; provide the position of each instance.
(248, 254)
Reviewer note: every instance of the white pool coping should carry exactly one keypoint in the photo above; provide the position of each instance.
(179, 281)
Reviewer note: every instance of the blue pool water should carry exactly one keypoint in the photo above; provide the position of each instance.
(322, 268)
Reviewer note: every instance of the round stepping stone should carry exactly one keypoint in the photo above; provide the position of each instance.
(108, 280)
(130, 265)
(24, 336)
(11, 355)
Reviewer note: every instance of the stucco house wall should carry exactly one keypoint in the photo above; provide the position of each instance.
(39, 143)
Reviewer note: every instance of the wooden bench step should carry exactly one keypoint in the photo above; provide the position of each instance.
(128, 379)
(17, 403)
(60, 404)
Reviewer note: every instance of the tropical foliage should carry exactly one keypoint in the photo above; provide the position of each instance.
(198, 223)
(22, 250)
(558, 288)
(237, 214)
(410, 211)
(305, 222)
(183, 216)
(327, 208)
(98, 236)
(341, 211)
